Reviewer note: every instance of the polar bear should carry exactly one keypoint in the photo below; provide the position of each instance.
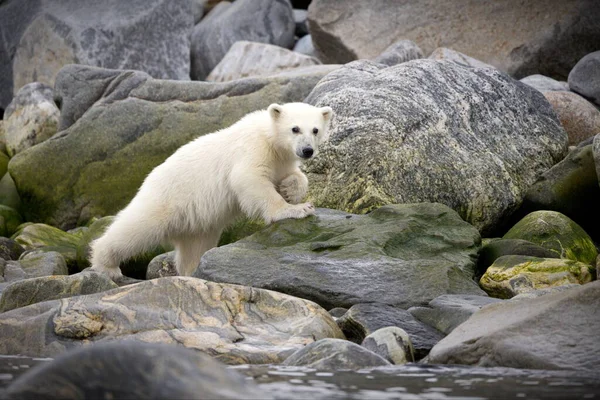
(250, 168)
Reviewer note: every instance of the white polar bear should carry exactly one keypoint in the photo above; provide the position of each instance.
(250, 168)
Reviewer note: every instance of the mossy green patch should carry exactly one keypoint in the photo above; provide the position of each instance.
(10, 220)
(557, 233)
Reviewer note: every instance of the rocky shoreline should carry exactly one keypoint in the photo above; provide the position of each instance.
(458, 219)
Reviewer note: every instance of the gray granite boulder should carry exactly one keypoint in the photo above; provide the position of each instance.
(571, 187)
(235, 324)
(161, 266)
(401, 255)
(391, 343)
(9, 249)
(335, 354)
(133, 371)
(31, 266)
(40, 37)
(544, 83)
(521, 38)
(127, 124)
(35, 290)
(556, 331)
(433, 131)
(265, 21)
(30, 118)
(245, 59)
(399, 52)
(448, 311)
(578, 116)
(364, 319)
(584, 78)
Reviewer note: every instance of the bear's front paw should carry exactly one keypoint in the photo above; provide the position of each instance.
(296, 211)
(293, 189)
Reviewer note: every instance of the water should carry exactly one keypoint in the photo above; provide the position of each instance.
(407, 382)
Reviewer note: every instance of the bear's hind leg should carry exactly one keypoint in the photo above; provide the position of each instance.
(189, 251)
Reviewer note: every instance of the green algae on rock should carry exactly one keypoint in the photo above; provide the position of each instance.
(10, 220)
(402, 255)
(556, 232)
(509, 276)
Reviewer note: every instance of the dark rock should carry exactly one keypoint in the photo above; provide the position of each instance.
(571, 187)
(40, 37)
(556, 232)
(544, 83)
(235, 324)
(391, 343)
(399, 52)
(509, 276)
(596, 158)
(364, 319)
(556, 331)
(95, 167)
(35, 290)
(9, 249)
(130, 370)
(264, 21)
(300, 19)
(505, 247)
(578, 116)
(402, 255)
(335, 354)
(432, 131)
(551, 37)
(584, 78)
(448, 311)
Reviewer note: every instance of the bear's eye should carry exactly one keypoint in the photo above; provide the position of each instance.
(296, 129)
(315, 131)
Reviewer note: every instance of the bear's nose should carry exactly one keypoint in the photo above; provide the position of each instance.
(307, 152)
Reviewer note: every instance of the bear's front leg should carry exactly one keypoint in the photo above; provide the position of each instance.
(258, 198)
(294, 187)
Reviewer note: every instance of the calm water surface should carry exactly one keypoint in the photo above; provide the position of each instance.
(407, 382)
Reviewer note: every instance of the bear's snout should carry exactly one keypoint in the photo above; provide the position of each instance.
(307, 152)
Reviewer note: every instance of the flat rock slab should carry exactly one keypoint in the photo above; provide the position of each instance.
(425, 130)
(401, 255)
(235, 324)
(556, 331)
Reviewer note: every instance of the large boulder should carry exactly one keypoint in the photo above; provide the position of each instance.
(571, 187)
(264, 21)
(584, 78)
(402, 51)
(246, 59)
(130, 123)
(551, 36)
(235, 324)
(557, 233)
(128, 370)
(401, 255)
(556, 331)
(31, 117)
(473, 139)
(40, 37)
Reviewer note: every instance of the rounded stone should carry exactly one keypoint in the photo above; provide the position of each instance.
(391, 343)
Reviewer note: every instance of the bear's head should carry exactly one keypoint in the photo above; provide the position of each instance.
(299, 128)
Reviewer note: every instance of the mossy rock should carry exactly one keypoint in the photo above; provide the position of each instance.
(10, 220)
(4, 159)
(511, 275)
(557, 233)
(8, 192)
(495, 249)
(240, 229)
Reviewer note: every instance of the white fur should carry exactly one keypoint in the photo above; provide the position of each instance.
(206, 184)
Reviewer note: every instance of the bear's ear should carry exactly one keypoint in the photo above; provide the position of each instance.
(327, 113)
(275, 111)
